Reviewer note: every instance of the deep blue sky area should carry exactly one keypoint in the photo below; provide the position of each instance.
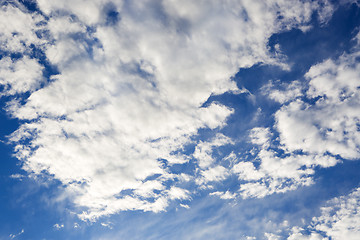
(31, 206)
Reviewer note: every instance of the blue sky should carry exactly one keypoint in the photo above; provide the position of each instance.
(180, 119)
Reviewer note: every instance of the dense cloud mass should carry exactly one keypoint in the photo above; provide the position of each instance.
(118, 90)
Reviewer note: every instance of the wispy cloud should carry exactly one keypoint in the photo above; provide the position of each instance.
(13, 236)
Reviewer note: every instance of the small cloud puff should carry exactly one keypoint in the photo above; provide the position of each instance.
(58, 226)
(12, 236)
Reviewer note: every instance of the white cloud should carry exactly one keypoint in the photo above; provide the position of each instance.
(269, 172)
(297, 235)
(310, 135)
(88, 12)
(330, 125)
(18, 176)
(107, 224)
(12, 236)
(272, 236)
(339, 219)
(260, 136)
(58, 226)
(224, 195)
(213, 174)
(178, 193)
(76, 225)
(18, 28)
(131, 93)
(184, 206)
(250, 238)
(20, 75)
(58, 31)
(289, 93)
(204, 150)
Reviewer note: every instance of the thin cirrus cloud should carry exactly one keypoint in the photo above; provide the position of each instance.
(130, 91)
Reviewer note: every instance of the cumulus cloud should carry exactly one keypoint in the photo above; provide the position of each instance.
(203, 150)
(331, 124)
(272, 236)
(289, 92)
(297, 235)
(317, 125)
(20, 76)
(310, 135)
(130, 92)
(339, 219)
(19, 28)
(270, 171)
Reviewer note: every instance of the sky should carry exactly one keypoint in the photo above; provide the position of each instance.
(190, 120)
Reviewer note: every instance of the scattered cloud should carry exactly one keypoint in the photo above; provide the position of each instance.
(12, 236)
(224, 195)
(203, 151)
(184, 206)
(288, 93)
(58, 226)
(340, 218)
(271, 236)
(20, 76)
(18, 176)
(309, 135)
(332, 127)
(107, 225)
(128, 96)
(19, 28)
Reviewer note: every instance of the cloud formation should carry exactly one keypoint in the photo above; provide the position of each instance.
(329, 125)
(129, 95)
(316, 126)
(340, 219)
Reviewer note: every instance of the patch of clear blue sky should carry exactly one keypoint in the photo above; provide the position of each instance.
(26, 204)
